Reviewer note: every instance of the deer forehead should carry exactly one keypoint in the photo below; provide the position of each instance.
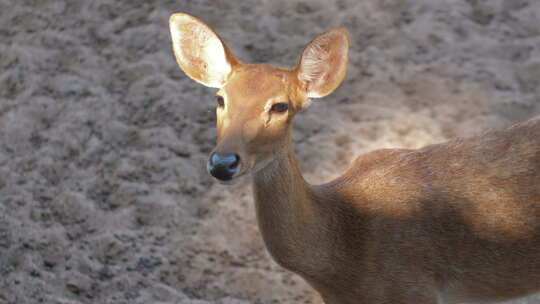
(257, 85)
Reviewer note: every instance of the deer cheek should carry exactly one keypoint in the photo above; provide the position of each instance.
(250, 130)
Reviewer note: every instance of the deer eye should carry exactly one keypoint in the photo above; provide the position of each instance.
(220, 101)
(279, 107)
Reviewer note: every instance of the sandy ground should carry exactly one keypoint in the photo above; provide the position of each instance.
(103, 140)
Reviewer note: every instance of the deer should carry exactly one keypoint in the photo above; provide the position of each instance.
(452, 222)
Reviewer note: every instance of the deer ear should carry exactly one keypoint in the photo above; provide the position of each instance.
(324, 63)
(199, 51)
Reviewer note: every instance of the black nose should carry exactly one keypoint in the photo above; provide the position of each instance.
(223, 166)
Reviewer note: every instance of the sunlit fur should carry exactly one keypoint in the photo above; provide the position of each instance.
(211, 63)
(246, 126)
(448, 223)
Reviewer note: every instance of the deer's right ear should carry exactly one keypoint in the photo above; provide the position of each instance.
(199, 51)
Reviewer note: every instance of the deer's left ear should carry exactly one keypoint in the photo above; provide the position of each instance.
(324, 63)
(199, 51)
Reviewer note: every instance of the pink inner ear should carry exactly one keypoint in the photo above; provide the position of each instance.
(199, 51)
(324, 63)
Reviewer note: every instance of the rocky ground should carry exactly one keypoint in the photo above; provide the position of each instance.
(104, 196)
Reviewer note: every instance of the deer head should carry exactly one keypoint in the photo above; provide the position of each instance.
(256, 103)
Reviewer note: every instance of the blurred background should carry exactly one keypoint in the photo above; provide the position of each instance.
(104, 196)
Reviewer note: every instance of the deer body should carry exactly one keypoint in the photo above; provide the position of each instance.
(457, 221)
(448, 223)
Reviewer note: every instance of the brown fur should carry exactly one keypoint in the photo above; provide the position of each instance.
(458, 221)
(448, 223)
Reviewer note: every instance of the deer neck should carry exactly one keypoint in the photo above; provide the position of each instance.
(286, 210)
